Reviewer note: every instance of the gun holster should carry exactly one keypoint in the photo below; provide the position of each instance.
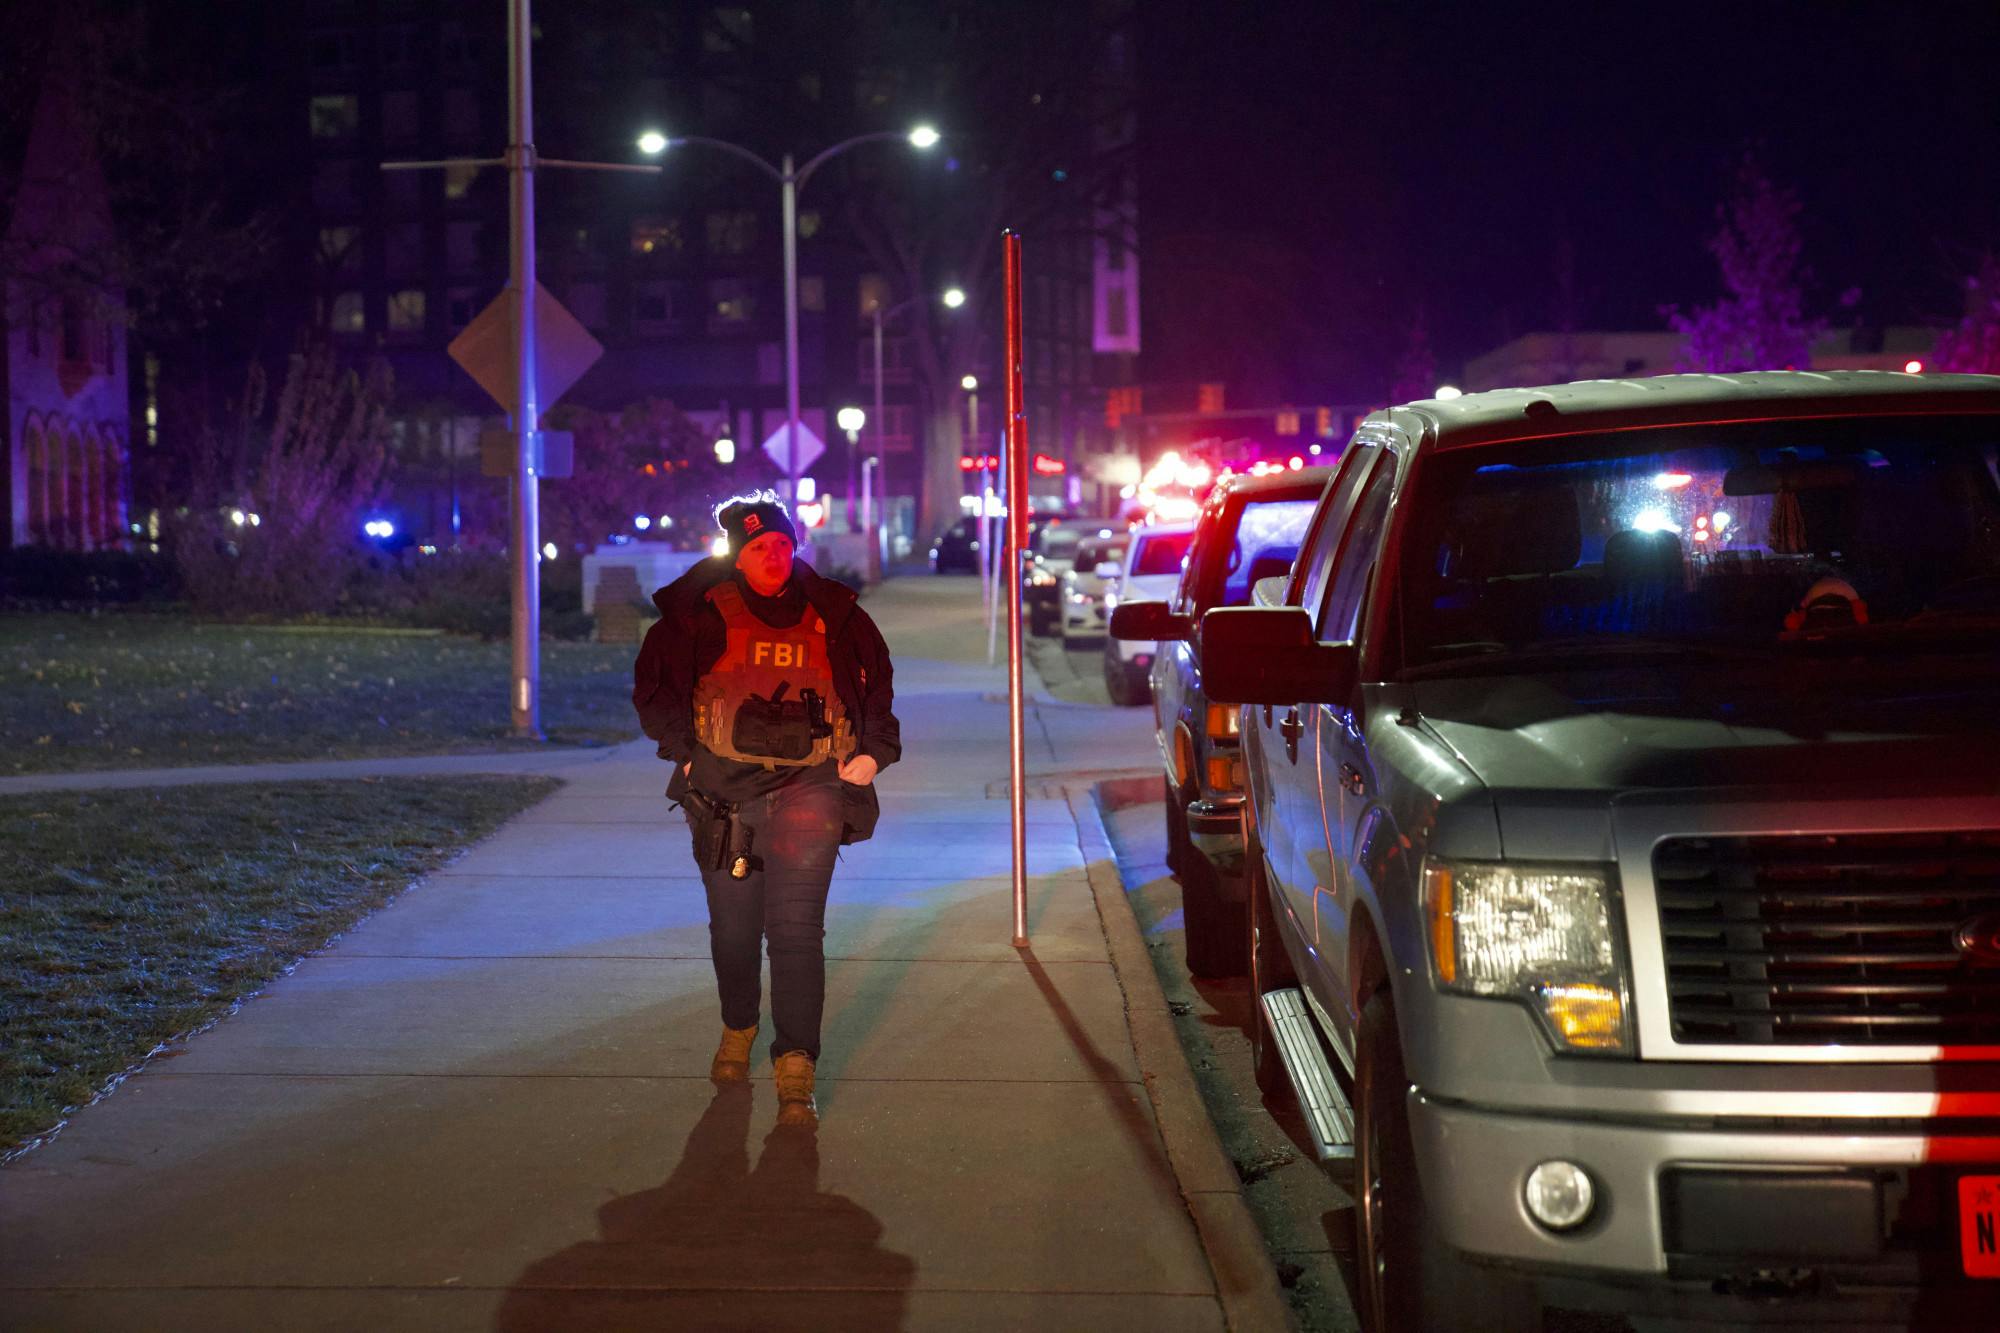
(722, 841)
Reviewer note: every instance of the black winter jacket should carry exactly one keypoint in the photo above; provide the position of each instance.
(663, 678)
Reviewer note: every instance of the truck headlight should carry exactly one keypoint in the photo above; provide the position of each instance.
(1537, 934)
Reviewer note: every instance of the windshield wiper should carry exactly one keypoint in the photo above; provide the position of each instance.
(1568, 650)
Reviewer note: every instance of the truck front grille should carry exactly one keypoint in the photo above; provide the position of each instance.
(1808, 940)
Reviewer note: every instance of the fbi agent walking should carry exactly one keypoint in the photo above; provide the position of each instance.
(770, 690)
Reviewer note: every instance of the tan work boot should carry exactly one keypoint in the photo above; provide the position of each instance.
(732, 1057)
(793, 1073)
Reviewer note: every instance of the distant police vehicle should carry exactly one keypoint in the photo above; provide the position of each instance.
(1624, 842)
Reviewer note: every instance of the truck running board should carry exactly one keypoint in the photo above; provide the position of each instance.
(1328, 1114)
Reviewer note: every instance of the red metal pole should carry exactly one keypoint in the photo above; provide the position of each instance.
(1010, 576)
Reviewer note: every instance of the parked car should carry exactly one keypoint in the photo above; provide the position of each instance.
(1051, 553)
(957, 547)
(1624, 848)
(1098, 563)
(1151, 570)
(1249, 529)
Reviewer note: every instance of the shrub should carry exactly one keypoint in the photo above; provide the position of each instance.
(41, 577)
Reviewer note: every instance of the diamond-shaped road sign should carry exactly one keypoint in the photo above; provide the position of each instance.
(564, 349)
(810, 447)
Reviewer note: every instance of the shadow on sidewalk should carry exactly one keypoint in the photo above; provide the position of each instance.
(722, 1245)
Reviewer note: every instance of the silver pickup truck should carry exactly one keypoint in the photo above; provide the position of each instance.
(1624, 825)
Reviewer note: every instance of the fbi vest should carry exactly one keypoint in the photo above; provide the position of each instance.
(770, 698)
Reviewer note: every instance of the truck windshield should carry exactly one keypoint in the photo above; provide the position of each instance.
(1265, 542)
(1880, 534)
(1161, 553)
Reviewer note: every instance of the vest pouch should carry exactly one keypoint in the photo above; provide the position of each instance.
(780, 728)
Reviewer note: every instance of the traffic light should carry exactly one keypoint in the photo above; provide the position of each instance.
(1323, 423)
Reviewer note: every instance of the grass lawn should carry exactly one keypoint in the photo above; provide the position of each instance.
(128, 918)
(146, 691)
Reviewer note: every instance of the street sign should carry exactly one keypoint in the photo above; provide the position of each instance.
(485, 348)
(555, 453)
(810, 447)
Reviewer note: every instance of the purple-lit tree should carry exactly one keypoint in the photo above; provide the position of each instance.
(1973, 345)
(650, 460)
(278, 500)
(1760, 322)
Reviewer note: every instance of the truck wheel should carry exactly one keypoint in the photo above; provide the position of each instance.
(1179, 849)
(1410, 1278)
(1213, 925)
(1270, 968)
(1118, 682)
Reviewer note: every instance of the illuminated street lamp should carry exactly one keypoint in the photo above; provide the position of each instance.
(725, 450)
(851, 420)
(790, 181)
(1446, 392)
(954, 297)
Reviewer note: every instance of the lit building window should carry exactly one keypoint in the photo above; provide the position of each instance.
(732, 233)
(730, 301)
(347, 315)
(335, 115)
(812, 295)
(340, 249)
(809, 224)
(874, 294)
(657, 236)
(406, 311)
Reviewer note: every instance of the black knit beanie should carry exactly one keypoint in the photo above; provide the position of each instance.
(749, 517)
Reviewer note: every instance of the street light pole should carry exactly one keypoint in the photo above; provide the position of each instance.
(788, 190)
(527, 542)
(790, 181)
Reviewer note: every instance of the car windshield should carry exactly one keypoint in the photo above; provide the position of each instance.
(1055, 543)
(1882, 533)
(1266, 541)
(1090, 554)
(1161, 553)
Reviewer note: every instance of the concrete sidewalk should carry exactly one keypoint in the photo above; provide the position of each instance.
(487, 1106)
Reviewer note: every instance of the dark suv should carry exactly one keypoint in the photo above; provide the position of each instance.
(1249, 529)
(1624, 834)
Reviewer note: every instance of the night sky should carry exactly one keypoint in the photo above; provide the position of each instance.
(1317, 174)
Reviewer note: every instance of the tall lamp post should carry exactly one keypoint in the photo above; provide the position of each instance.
(954, 299)
(790, 181)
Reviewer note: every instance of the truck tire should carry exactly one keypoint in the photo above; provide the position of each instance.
(1179, 849)
(1118, 682)
(1215, 932)
(1269, 966)
(1410, 1278)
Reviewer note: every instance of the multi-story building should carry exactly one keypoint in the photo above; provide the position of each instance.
(678, 275)
(65, 432)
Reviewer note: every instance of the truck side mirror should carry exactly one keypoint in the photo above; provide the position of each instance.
(1268, 655)
(1149, 622)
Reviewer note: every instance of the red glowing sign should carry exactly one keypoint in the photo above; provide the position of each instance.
(1049, 467)
(979, 463)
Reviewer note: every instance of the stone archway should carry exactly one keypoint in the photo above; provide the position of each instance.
(76, 485)
(35, 441)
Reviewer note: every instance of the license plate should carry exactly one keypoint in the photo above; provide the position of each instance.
(1979, 1225)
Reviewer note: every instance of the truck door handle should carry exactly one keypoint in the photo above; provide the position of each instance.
(1291, 729)
(1351, 779)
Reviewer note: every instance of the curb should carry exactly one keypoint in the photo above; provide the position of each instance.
(1246, 1280)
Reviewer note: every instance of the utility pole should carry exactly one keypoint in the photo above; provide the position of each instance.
(531, 366)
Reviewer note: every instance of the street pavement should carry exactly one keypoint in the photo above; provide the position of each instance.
(487, 1105)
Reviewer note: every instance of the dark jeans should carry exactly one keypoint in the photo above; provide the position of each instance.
(797, 837)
